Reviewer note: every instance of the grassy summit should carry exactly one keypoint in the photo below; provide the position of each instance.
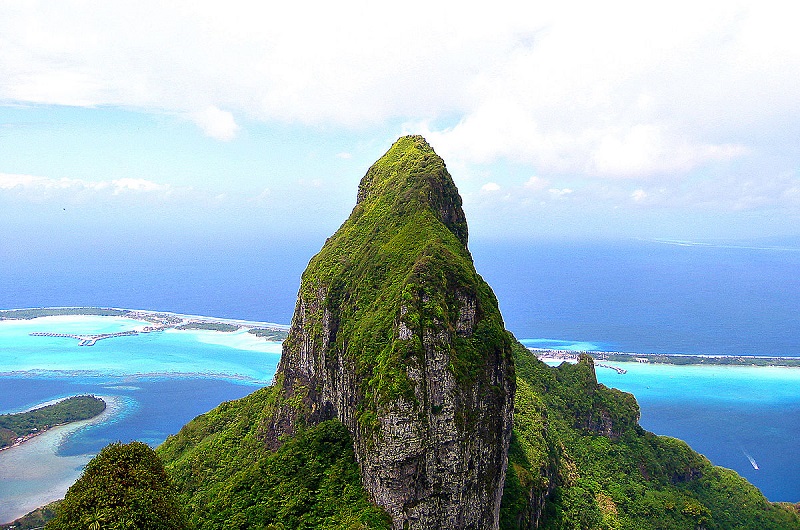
(404, 243)
(124, 487)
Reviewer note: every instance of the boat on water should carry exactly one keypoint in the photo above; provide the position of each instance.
(752, 461)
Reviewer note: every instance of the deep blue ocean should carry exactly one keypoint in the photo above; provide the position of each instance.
(634, 296)
(651, 297)
(640, 296)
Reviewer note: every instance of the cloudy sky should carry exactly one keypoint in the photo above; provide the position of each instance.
(675, 120)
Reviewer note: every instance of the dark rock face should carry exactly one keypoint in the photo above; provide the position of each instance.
(397, 336)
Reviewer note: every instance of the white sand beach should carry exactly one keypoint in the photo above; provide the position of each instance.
(33, 474)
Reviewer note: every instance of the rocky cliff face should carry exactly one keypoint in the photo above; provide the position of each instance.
(397, 336)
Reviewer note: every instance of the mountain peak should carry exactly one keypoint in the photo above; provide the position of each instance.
(412, 171)
(397, 336)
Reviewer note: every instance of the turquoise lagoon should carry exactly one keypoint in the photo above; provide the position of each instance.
(159, 381)
(744, 418)
(238, 354)
(154, 383)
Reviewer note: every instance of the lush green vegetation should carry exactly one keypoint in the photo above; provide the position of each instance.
(228, 479)
(124, 487)
(276, 335)
(210, 326)
(579, 460)
(403, 246)
(76, 408)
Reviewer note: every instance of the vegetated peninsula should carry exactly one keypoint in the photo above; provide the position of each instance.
(20, 427)
(401, 402)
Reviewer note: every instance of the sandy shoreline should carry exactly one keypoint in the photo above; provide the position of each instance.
(26, 466)
(31, 436)
(146, 314)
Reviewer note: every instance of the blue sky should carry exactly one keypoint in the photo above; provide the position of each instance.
(675, 120)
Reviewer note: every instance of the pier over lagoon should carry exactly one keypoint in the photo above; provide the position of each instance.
(155, 321)
(571, 356)
(90, 340)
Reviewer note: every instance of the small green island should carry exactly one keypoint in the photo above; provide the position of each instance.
(16, 429)
(209, 326)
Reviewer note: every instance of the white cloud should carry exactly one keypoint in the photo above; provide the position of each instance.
(731, 193)
(216, 123)
(572, 90)
(31, 182)
(643, 150)
(264, 61)
(633, 90)
(136, 185)
(490, 187)
(37, 187)
(9, 182)
(264, 197)
(639, 195)
(536, 184)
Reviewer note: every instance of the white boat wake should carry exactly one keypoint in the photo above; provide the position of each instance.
(751, 459)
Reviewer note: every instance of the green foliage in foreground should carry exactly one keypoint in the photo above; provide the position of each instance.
(76, 408)
(124, 487)
(228, 479)
(579, 460)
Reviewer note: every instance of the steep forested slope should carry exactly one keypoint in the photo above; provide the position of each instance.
(228, 478)
(396, 335)
(579, 459)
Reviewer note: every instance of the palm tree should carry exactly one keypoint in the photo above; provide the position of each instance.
(96, 518)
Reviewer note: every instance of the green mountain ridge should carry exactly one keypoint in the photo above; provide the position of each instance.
(394, 400)
(397, 336)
